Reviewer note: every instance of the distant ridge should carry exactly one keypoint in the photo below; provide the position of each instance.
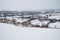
(20, 13)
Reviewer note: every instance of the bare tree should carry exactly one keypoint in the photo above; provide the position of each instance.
(14, 21)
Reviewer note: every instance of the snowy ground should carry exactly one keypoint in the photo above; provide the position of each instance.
(54, 17)
(11, 32)
(40, 23)
(53, 25)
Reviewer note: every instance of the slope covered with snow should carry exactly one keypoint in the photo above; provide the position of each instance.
(11, 32)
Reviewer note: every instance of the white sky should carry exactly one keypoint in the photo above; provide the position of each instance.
(21, 5)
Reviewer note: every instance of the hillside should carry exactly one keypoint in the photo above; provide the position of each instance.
(11, 32)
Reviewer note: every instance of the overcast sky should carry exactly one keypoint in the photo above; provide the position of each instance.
(21, 5)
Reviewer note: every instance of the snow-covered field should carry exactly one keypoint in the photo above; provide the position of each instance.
(56, 24)
(56, 14)
(11, 32)
(40, 23)
(54, 17)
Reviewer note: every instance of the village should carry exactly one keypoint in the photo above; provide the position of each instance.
(36, 20)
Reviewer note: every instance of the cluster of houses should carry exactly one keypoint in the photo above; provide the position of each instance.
(40, 20)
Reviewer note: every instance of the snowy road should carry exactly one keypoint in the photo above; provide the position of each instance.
(11, 32)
